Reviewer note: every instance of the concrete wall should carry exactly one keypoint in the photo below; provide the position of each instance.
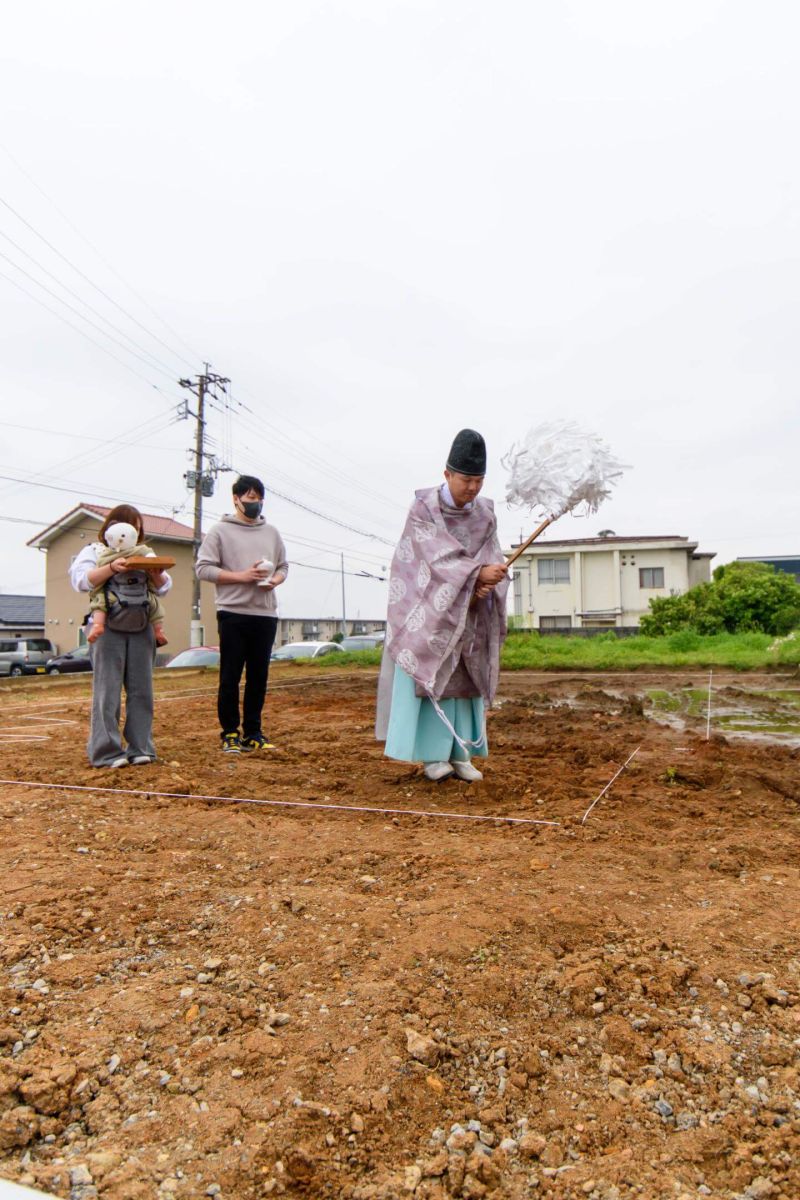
(600, 582)
(635, 598)
(699, 570)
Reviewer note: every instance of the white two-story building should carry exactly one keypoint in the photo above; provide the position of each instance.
(605, 582)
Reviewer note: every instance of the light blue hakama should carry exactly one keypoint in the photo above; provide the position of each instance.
(417, 733)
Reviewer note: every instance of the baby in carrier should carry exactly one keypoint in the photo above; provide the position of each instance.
(132, 592)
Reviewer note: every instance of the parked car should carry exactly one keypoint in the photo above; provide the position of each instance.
(73, 660)
(362, 641)
(197, 656)
(305, 650)
(25, 656)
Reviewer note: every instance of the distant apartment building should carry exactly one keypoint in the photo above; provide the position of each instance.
(322, 629)
(600, 583)
(788, 563)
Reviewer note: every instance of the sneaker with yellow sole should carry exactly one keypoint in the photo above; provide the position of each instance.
(259, 742)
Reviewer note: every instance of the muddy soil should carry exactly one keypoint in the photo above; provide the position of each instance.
(204, 998)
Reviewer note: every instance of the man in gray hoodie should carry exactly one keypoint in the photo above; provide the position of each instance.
(245, 559)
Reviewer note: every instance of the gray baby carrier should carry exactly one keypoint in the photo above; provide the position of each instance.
(128, 602)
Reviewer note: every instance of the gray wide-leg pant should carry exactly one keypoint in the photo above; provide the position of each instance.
(122, 660)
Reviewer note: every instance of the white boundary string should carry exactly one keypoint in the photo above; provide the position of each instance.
(608, 785)
(398, 812)
(273, 687)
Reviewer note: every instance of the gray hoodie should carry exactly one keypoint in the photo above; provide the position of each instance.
(234, 545)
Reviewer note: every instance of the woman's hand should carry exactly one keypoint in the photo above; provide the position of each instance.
(100, 575)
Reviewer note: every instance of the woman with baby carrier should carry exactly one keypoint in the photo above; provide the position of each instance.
(124, 651)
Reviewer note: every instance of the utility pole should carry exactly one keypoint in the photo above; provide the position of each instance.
(344, 616)
(201, 480)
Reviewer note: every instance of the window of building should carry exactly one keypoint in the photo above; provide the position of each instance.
(651, 577)
(599, 622)
(518, 593)
(555, 622)
(553, 570)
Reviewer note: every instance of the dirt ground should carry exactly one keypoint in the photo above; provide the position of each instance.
(204, 998)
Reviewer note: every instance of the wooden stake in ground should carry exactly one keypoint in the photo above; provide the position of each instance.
(708, 710)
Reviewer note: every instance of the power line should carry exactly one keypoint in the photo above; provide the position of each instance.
(88, 320)
(87, 458)
(309, 454)
(71, 292)
(85, 277)
(314, 493)
(309, 457)
(106, 263)
(334, 548)
(337, 571)
(84, 437)
(325, 517)
(82, 492)
(77, 328)
(319, 546)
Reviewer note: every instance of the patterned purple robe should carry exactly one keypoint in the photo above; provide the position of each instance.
(448, 646)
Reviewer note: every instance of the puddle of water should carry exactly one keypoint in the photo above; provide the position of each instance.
(771, 715)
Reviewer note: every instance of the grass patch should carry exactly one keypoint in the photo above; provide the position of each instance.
(736, 651)
(530, 651)
(348, 658)
(664, 701)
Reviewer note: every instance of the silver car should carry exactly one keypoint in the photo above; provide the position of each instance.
(363, 641)
(25, 656)
(305, 650)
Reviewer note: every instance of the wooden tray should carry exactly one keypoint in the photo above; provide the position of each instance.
(157, 563)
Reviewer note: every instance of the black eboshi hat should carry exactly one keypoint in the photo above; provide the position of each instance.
(467, 453)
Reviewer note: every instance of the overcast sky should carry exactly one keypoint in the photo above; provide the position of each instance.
(388, 220)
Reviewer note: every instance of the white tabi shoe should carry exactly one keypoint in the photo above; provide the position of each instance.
(437, 771)
(466, 771)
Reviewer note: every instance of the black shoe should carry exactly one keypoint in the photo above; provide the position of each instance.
(259, 742)
(231, 743)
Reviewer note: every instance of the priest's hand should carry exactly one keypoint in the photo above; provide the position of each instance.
(492, 573)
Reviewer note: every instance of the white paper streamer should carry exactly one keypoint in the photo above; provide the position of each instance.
(558, 467)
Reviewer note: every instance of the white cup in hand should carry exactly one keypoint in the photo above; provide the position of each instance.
(266, 564)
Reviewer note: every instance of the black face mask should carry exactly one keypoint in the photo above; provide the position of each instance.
(252, 508)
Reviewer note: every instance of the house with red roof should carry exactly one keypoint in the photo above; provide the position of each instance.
(65, 609)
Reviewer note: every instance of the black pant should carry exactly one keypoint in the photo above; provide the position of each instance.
(245, 643)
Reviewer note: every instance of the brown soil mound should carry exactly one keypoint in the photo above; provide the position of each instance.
(210, 998)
